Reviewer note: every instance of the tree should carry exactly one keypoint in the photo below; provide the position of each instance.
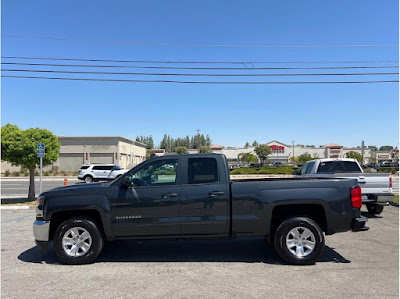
(304, 158)
(294, 160)
(354, 155)
(395, 155)
(247, 157)
(385, 148)
(262, 151)
(19, 147)
(255, 143)
(150, 154)
(204, 149)
(246, 145)
(181, 150)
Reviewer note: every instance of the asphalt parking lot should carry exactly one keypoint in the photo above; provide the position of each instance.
(357, 265)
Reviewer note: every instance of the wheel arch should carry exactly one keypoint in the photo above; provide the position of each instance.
(60, 216)
(313, 211)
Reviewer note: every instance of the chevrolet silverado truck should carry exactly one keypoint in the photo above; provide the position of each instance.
(192, 197)
(376, 188)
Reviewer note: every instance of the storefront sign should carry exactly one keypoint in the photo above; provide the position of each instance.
(277, 147)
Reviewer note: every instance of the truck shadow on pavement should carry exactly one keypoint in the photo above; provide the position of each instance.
(252, 250)
(368, 215)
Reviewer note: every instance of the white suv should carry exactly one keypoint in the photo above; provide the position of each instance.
(98, 172)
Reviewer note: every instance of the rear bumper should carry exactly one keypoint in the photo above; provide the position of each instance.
(358, 224)
(381, 199)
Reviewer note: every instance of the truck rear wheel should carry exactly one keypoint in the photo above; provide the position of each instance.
(374, 209)
(299, 241)
(78, 241)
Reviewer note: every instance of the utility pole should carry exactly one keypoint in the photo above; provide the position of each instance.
(197, 139)
(362, 152)
(293, 149)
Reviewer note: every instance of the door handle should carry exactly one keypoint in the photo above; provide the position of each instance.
(361, 180)
(169, 195)
(216, 193)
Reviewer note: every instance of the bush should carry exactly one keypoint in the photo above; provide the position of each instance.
(16, 173)
(37, 173)
(392, 170)
(25, 172)
(46, 173)
(75, 173)
(64, 173)
(264, 170)
(164, 172)
(7, 173)
(244, 170)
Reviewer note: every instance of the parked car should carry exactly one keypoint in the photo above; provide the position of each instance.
(376, 187)
(197, 201)
(96, 172)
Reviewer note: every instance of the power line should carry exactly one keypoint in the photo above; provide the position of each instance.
(203, 82)
(201, 45)
(192, 62)
(198, 75)
(199, 68)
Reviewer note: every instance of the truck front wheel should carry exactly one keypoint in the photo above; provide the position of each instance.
(374, 209)
(299, 241)
(78, 241)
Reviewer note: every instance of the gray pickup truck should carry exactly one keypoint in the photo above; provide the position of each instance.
(376, 188)
(192, 197)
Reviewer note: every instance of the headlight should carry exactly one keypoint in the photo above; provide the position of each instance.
(39, 206)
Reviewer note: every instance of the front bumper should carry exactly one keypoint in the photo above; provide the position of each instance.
(358, 224)
(41, 230)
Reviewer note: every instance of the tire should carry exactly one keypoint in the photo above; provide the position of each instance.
(92, 241)
(374, 209)
(88, 179)
(294, 251)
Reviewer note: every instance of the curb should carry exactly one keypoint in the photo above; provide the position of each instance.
(14, 207)
(13, 200)
(52, 178)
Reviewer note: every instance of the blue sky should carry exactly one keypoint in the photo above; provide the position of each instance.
(230, 114)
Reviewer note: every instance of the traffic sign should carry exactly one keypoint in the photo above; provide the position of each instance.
(40, 146)
(40, 155)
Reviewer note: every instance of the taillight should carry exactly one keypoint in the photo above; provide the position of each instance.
(390, 182)
(356, 197)
(80, 170)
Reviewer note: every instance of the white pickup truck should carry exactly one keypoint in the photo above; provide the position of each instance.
(376, 188)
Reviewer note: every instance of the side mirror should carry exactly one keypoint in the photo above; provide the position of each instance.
(127, 182)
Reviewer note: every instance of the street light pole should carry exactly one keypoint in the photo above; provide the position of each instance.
(293, 149)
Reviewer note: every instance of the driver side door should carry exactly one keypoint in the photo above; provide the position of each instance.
(150, 207)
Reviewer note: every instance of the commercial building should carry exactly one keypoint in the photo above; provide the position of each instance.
(75, 151)
(282, 152)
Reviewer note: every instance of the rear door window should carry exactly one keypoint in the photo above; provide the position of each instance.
(202, 170)
(304, 169)
(84, 167)
(310, 167)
